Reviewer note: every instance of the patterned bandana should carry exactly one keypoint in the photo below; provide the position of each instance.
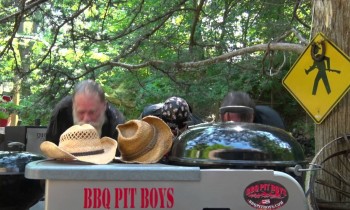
(175, 111)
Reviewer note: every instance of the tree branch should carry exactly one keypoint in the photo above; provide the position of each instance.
(296, 48)
(25, 9)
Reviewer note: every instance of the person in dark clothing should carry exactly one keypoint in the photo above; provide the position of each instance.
(238, 106)
(87, 105)
(153, 109)
(268, 116)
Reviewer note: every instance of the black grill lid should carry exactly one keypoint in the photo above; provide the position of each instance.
(236, 144)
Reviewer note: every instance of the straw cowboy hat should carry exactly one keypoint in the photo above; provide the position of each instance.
(81, 142)
(144, 141)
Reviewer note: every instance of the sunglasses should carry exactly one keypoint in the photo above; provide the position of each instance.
(237, 113)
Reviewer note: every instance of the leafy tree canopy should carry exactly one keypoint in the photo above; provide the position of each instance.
(143, 52)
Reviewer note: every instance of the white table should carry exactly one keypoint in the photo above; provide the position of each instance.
(156, 186)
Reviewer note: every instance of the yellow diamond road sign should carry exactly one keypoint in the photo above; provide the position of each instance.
(319, 78)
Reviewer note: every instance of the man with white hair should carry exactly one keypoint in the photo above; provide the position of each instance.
(87, 105)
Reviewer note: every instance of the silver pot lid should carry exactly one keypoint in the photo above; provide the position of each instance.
(236, 144)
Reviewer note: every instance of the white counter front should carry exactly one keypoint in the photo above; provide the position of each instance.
(75, 186)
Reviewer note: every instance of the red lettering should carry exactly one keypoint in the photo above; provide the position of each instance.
(129, 192)
(144, 197)
(157, 198)
(97, 198)
(256, 188)
(170, 196)
(253, 189)
(275, 190)
(132, 195)
(162, 192)
(87, 198)
(264, 187)
(101, 198)
(283, 192)
(278, 191)
(106, 198)
(125, 195)
(118, 196)
(153, 198)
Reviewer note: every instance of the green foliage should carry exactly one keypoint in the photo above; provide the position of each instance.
(133, 49)
(7, 108)
(4, 114)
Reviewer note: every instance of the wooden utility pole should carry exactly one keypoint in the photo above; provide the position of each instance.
(331, 17)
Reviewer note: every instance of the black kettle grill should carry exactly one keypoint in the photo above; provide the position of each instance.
(237, 145)
(17, 192)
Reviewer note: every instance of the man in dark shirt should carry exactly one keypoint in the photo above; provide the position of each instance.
(239, 107)
(87, 105)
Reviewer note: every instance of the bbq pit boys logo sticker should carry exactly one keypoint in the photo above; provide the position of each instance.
(266, 194)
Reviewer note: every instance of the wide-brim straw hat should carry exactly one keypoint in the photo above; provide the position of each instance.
(144, 141)
(81, 142)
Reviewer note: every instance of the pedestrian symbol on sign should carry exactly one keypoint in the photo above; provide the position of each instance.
(322, 63)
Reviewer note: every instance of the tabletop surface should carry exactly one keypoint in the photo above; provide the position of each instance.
(53, 169)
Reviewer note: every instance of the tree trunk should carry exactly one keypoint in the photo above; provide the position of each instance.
(331, 17)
